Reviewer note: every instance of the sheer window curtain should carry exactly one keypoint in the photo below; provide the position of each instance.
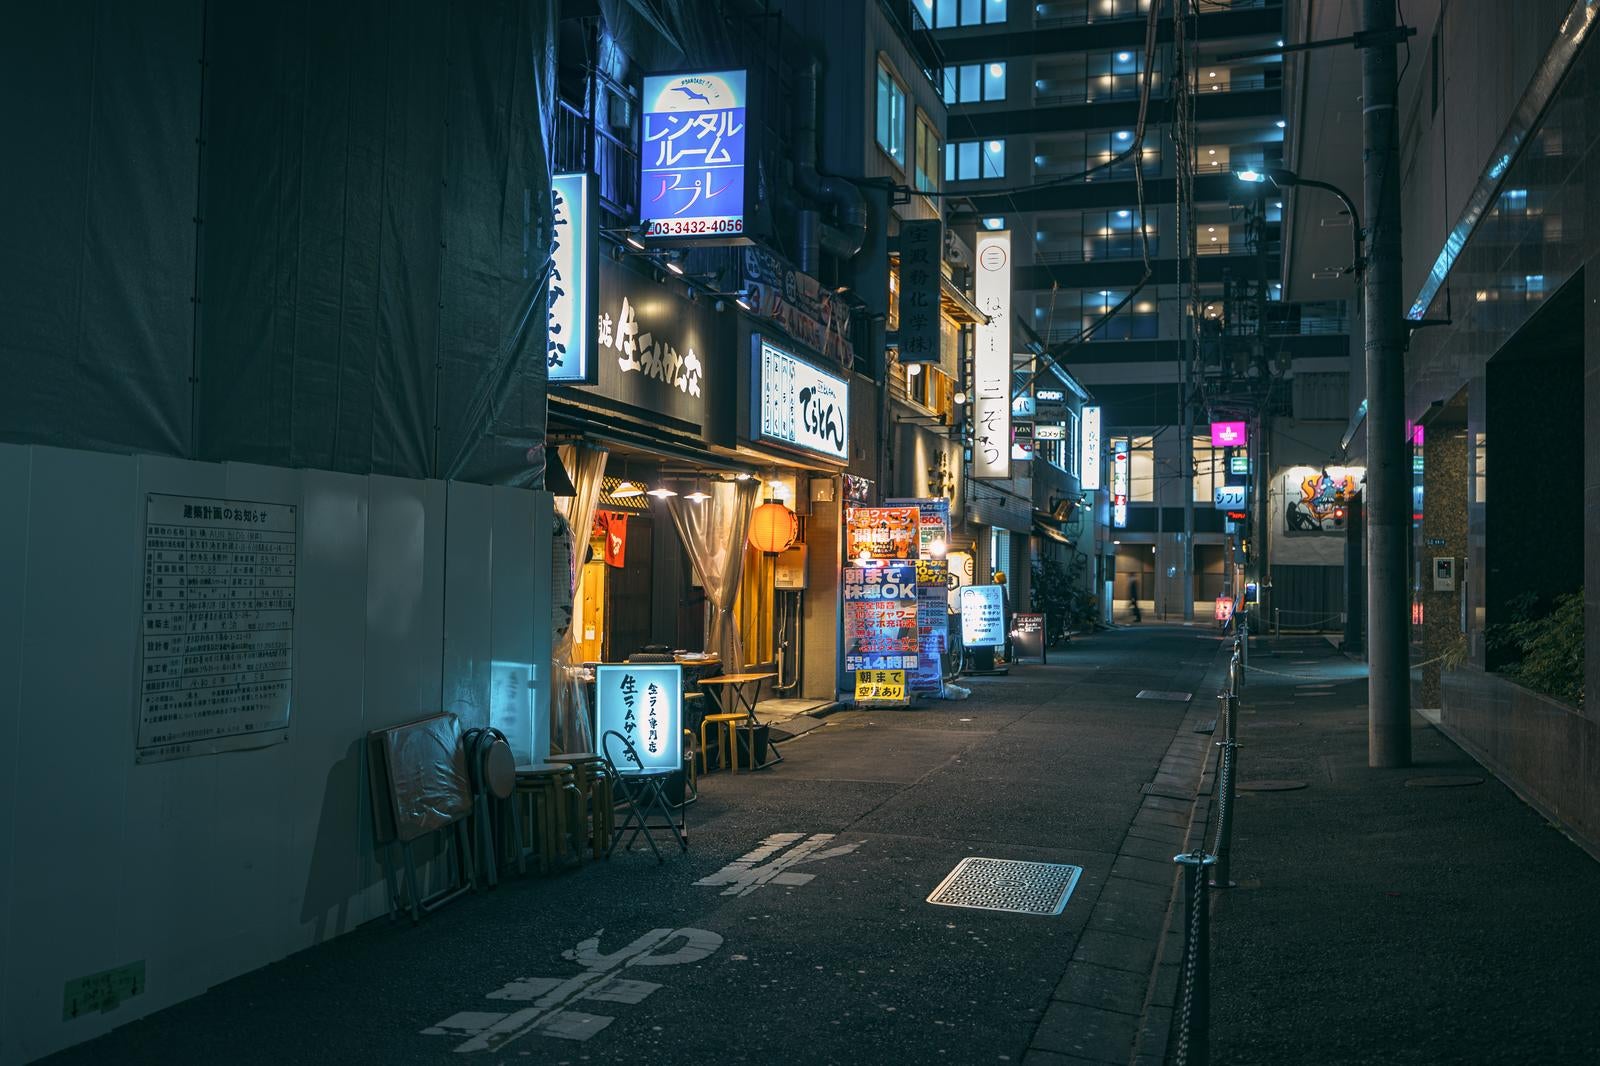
(569, 718)
(713, 532)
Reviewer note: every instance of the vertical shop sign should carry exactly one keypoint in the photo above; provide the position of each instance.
(1090, 476)
(645, 704)
(574, 283)
(920, 271)
(217, 632)
(691, 162)
(991, 360)
(1119, 483)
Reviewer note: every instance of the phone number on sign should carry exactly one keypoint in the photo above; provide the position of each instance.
(691, 226)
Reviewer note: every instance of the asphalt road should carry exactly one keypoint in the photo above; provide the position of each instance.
(836, 959)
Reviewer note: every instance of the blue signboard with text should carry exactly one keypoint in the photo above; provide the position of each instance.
(692, 156)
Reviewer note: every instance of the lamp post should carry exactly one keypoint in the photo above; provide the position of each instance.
(1285, 179)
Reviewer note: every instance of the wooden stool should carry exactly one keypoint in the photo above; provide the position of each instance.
(594, 792)
(551, 789)
(729, 754)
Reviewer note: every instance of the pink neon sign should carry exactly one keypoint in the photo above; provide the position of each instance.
(1229, 434)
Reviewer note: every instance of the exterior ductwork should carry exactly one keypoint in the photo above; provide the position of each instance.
(844, 237)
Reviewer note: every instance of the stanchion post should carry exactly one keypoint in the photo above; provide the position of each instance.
(1194, 992)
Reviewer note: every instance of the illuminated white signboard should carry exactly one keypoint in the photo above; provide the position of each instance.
(643, 702)
(1049, 431)
(1091, 449)
(983, 616)
(574, 283)
(691, 161)
(800, 405)
(991, 359)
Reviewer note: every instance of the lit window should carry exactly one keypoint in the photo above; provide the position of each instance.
(974, 160)
(975, 83)
(926, 176)
(891, 116)
(944, 13)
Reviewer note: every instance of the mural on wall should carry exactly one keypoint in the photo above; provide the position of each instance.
(1308, 509)
(1315, 499)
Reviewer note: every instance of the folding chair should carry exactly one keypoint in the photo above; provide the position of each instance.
(640, 792)
(493, 774)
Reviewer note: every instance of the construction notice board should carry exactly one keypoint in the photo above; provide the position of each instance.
(217, 628)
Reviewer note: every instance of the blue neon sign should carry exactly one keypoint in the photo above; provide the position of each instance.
(692, 156)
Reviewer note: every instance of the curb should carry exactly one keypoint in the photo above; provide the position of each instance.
(1114, 1003)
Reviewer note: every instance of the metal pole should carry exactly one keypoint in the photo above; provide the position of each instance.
(1388, 514)
(1355, 580)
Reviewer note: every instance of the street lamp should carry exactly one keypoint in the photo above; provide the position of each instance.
(1283, 179)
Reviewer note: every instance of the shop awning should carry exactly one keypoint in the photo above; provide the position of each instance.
(953, 302)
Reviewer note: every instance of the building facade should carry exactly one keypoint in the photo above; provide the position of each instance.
(1498, 169)
(1155, 305)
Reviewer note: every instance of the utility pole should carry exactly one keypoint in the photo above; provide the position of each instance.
(1388, 512)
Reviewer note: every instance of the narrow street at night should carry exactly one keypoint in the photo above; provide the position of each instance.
(852, 965)
(672, 532)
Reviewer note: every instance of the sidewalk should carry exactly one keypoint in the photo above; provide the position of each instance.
(1380, 918)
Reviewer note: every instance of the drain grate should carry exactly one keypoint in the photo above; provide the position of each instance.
(1008, 885)
(1153, 694)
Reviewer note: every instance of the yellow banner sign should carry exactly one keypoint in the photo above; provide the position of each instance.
(881, 686)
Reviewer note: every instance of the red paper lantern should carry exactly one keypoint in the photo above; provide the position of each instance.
(773, 527)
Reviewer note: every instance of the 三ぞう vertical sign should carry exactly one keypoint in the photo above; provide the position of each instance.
(991, 359)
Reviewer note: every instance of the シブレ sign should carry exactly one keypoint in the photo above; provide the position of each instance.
(643, 702)
(800, 404)
(1228, 497)
(983, 616)
(691, 161)
(574, 282)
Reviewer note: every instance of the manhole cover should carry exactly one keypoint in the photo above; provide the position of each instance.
(1443, 782)
(1008, 885)
(1270, 786)
(1152, 694)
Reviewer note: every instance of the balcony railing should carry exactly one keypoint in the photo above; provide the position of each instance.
(614, 163)
(1087, 12)
(1066, 96)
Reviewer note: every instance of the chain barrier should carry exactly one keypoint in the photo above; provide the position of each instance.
(1194, 990)
(1201, 872)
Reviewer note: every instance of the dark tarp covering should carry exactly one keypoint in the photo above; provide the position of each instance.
(97, 190)
(373, 192)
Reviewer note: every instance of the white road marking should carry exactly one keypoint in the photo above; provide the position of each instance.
(750, 872)
(548, 1014)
